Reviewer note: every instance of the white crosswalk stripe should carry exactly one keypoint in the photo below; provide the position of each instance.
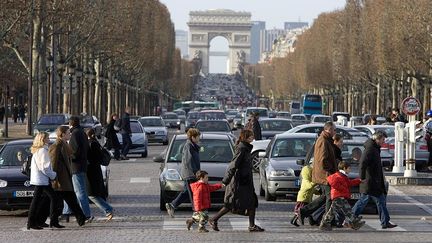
(376, 224)
(180, 224)
(140, 180)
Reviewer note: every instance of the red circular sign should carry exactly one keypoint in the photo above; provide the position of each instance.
(411, 106)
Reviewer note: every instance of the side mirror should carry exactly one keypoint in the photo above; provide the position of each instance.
(300, 162)
(262, 154)
(158, 159)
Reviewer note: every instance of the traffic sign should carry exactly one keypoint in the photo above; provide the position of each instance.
(411, 106)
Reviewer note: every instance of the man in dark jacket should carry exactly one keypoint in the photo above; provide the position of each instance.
(79, 144)
(254, 125)
(373, 187)
(126, 133)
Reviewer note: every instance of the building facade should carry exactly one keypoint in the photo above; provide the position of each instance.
(257, 40)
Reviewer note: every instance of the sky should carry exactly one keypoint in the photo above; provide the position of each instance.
(273, 12)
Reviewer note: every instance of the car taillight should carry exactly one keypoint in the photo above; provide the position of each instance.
(387, 146)
(423, 147)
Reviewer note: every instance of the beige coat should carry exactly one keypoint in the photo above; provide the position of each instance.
(60, 161)
(324, 163)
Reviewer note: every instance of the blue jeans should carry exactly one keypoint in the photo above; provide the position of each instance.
(127, 142)
(102, 204)
(187, 192)
(380, 202)
(79, 185)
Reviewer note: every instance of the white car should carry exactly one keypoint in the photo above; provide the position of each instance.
(155, 129)
(139, 139)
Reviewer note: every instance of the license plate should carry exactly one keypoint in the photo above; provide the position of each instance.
(297, 182)
(355, 195)
(23, 194)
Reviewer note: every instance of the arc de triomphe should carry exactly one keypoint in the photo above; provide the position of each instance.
(234, 26)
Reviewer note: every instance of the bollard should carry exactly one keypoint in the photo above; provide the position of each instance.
(410, 170)
(399, 148)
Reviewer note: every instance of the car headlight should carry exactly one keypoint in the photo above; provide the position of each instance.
(172, 175)
(3, 183)
(160, 133)
(178, 122)
(289, 172)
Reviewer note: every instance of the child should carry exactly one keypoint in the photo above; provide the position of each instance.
(305, 193)
(340, 191)
(201, 200)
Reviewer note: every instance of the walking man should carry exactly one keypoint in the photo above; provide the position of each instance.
(372, 176)
(126, 133)
(254, 125)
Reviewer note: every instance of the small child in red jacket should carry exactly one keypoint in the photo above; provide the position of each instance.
(340, 193)
(201, 200)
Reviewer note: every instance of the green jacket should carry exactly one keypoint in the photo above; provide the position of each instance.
(307, 186)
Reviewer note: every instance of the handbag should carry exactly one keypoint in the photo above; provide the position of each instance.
(106, 157)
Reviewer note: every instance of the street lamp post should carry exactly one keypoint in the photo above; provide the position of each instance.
(60, 69)
(78, 75)
(71, 72)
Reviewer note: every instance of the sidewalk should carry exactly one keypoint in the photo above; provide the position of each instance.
(15, 131)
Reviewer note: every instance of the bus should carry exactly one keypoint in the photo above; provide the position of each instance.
(190, 105)
(295, 107)
(311, 104)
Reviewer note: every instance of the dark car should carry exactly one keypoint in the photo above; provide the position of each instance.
(50, 122)
(192, 118)
(87, 121)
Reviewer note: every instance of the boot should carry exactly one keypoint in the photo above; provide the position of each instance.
(294, 221)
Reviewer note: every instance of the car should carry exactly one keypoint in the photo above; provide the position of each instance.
(316, 118)
(272, 114)
(15, 189)
(283, 114)
(262, 112)
(139, 139)
(50, 122)
(335, 115)
(230, 115)
(215, 126)
(170, 181)
(88, 121)
(212, 115)
(299, 119)
(191, 119)
(171, 119)
(346, 132)
(278, 171)
(272, 126)
(181, 115)
(155, 129)
(238, 119)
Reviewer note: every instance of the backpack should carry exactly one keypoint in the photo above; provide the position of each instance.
(26, 166)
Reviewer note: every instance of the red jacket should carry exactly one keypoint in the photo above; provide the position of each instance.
(201, 194)
(340, 185)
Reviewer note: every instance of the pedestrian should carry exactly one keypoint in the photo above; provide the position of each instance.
(372, 176)
(21, 113)
(305, 193)
(97, 190)
(40, 176)
(80, 146)
(189, 166)
(372, 120)
(340, 193)
(240, 194)
(427, 129)
(396, 116)
(201, 197)
(15, 114)
(60, 155)
(111, 136)
(126, 133)
(337, 146)
(324, 165)
(2, 113)
(254, 125)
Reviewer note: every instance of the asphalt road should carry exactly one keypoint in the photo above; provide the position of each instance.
(134, 194)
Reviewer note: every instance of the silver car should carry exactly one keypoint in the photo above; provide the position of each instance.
(216, 153)
(272, 126)
(278, 171)
(171, 119)
(346, 132)
(155, 129)
(139, 139)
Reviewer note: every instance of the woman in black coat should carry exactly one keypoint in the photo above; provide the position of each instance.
(112, 141)
(96, 189)
(240, 194)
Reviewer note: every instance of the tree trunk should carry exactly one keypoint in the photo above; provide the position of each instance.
(97, 67)
(378, 97)
(37, 28)
(42, 101)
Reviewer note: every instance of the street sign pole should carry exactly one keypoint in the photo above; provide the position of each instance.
(411, 106)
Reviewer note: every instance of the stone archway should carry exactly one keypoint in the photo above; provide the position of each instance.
(234, 26)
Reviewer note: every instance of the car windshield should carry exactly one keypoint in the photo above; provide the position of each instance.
(212, 115)
(153, 122)
(180, 112)
(292, 147)
(322, 119)
(232, 113)
(193, 115)
(299, 118)
(275, 125)
(213, 127)
(86, 120)
(390, 131)
(170, 116)
(14, 155)
(52, 120)
(211, 150)
(136, 127)
(352, 152)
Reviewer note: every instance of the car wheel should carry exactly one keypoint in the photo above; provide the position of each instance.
(255, 161)
(144, 155)
(267, 195)
(162, 202)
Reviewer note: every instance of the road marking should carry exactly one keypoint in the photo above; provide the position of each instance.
(412, 200)
(140, 180)
(376, 224)
(241, 223)
(130, 159)
(174, 224)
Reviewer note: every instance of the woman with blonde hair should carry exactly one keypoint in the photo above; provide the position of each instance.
(60, 154)
(40, 176)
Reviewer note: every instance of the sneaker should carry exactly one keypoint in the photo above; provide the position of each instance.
(325, 227)
(389, 226)
(170, 209)
(202, 230)
(255, 228)
(189, 223)
(109, 217)
(358, 225)
(89, 219)
(213, 224)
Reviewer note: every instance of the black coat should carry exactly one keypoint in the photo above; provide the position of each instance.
(80, 146)
(240, 191)
(371, 169)
(125, 124)
(111, 136)
(94, 171)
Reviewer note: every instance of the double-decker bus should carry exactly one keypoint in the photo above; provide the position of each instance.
(311, 104)
(189, 105)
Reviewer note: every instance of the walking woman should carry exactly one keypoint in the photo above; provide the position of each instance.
(60, 154)
(97, 191)
(240, 194)
(40, 176)
(112, 141)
